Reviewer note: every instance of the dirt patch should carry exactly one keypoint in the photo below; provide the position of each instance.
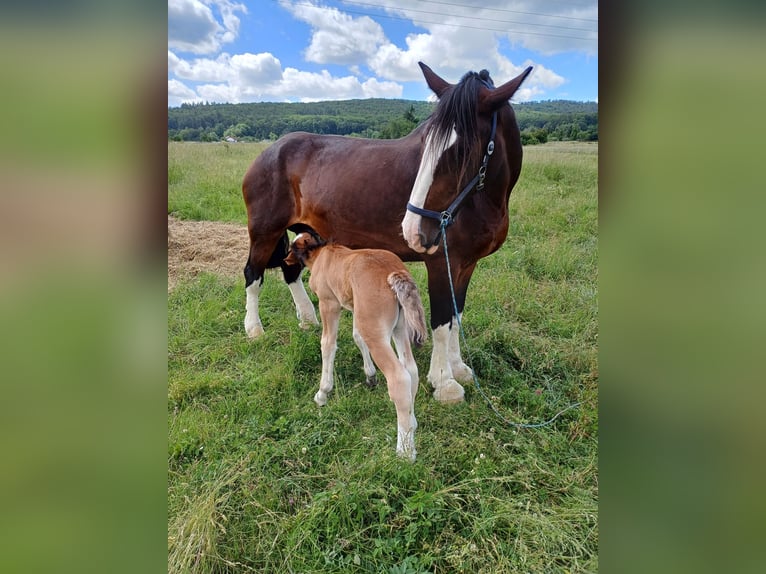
(197, 246)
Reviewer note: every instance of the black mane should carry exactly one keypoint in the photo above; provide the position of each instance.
(458, 108)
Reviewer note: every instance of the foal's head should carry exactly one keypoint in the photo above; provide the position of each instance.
(304, 248)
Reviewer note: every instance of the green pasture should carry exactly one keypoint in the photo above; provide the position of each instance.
(262, 480)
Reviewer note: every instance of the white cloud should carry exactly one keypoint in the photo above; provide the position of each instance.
(548, 26)
(260, 77)
(377, 66)
(179, 93)
(256, 69)
(458, 39)
(337, 37)
(200, 69)
(192, 26)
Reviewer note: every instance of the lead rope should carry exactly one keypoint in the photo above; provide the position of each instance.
(465, 346)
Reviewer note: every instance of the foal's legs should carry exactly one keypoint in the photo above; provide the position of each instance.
(369, 366)
(399, 381)
(330, 312)
(404, 350)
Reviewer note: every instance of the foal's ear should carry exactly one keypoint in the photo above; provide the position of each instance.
(438, 85)
(490, 100)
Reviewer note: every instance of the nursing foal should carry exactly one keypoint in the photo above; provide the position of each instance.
(375, 285)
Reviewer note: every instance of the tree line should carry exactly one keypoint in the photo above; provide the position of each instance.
(371, 118)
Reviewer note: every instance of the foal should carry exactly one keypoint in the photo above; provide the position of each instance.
(375, 285)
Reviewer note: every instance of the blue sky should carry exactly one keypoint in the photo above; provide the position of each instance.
(309, 50)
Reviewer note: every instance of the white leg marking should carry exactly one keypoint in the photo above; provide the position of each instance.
(446, 388)
(405, 440)
(253, 326)
(330, 315)
(303, 305)
(400, 392)
(460, 370)
(423, 181)
(328, 361)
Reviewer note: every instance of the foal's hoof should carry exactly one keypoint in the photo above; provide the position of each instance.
(371, 382)
(449, 392)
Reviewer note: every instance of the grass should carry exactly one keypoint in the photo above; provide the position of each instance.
(205, 180)
(260, 479)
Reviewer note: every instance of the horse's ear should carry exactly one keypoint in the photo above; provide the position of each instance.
(438, 85)
(490, 100)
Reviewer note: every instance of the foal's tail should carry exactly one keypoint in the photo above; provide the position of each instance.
(409, 298)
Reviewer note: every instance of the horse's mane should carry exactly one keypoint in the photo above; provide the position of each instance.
(458, 108)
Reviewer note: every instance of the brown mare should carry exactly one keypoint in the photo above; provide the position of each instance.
(355, 192)
(375, 285)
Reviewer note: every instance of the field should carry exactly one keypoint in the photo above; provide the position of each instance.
(262, 480)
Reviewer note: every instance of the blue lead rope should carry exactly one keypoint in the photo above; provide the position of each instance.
(443, 231)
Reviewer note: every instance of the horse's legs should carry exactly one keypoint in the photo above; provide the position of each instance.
(404, 350)
(303, 306)
(446, 349)
(460, 370)
(330, 312)
(369, 366)
(265, 252)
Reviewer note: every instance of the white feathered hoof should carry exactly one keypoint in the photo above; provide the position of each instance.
(449, 392)
(307, 322)
(320, 398)
(253, 330)
(462, 373)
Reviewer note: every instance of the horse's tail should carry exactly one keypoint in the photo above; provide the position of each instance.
(409, 299)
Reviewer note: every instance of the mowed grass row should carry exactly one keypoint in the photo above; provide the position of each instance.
(260, 479)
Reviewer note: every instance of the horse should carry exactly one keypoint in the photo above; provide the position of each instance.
(375, 285)
(399, 195)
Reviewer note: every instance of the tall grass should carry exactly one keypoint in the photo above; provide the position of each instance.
(262, 480)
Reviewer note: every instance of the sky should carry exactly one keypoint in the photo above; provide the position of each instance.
(312, 50)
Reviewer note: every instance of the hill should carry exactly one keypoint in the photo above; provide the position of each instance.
(373, 118)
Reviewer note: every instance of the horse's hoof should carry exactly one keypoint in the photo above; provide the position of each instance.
(255, 331)
(462, 372)
(320, 398)
(307, 324)
(450, 392)
(371, 382)
(407, 454)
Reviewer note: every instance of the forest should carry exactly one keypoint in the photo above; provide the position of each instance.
(539, 122)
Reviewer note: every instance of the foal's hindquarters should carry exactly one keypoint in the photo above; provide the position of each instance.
(375, 285)
(378, 318)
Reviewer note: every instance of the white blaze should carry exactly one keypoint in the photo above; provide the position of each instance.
(423, 181)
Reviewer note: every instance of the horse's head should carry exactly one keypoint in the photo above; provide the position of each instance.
(455, 142)
(304, 248)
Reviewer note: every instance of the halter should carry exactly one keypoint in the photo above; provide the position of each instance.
(446, 217)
